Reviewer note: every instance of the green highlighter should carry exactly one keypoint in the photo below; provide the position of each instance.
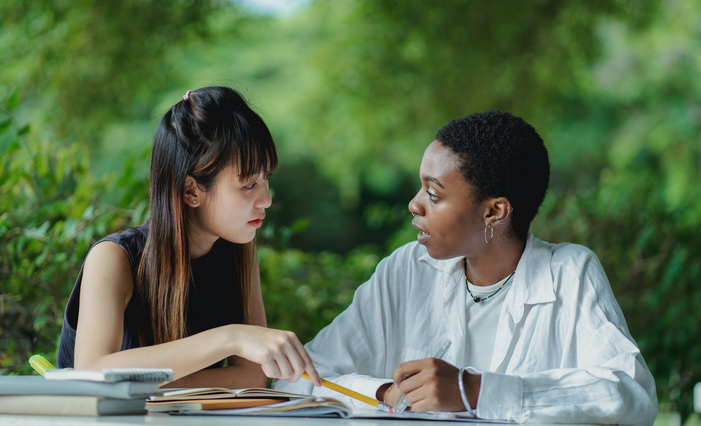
(40, 364)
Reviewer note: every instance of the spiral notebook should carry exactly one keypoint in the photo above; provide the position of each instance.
(113, 375)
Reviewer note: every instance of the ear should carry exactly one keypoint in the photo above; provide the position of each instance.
(192, 195)
(499, 211)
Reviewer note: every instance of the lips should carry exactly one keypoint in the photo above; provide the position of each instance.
(423, 236)
(256, 223)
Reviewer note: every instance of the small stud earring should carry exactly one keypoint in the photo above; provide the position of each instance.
(194, 201)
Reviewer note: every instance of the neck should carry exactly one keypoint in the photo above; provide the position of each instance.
(199, 241)
(495, 263)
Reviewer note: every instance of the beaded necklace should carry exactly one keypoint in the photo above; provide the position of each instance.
(479, 299)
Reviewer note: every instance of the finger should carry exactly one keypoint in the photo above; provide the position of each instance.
(408, 369)
(296, 362)
(284, 365)
(413, 383)
(270, 369)
(416, 399)
(308, 363)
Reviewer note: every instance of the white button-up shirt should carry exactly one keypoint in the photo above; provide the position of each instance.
(562, 352)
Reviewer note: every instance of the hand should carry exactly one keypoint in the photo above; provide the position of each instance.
(390, 398)
(280, 353)
(432, 385)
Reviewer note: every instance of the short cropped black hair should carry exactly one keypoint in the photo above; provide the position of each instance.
(501, 156)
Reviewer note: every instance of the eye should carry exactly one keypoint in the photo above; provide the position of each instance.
(250, 186)
(432, 197)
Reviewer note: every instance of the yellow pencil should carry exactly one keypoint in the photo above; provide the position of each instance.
(360, 397)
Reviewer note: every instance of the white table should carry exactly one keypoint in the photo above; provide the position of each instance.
(164, 419)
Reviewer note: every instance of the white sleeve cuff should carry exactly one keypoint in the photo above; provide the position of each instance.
(367, 386)
(500, 397)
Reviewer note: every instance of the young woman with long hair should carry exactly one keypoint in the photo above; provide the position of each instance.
(183, 290)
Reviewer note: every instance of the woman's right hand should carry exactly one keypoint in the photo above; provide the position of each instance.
(280, 353)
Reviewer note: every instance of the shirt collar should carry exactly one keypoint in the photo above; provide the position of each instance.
(532, 282)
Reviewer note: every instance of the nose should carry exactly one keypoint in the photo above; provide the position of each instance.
(265, 200)
(415, 206)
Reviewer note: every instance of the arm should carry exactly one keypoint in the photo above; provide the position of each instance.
(106, 289)
(613, 386)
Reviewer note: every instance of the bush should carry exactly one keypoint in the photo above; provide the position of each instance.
(51, 214)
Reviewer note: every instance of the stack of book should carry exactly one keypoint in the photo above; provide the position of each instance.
(81, 392)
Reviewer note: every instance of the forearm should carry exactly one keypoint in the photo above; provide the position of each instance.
(184, 356)
(594, 395)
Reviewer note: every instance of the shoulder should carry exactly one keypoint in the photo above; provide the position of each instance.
(108, 268)
(107, 257)
(579, 280)
(132, 240)
(563, 258)
(578, 262)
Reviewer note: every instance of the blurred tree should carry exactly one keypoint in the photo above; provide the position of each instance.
(400, 70)
(641, 215)
(83, 63)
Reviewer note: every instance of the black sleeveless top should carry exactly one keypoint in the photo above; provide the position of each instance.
(212, 301)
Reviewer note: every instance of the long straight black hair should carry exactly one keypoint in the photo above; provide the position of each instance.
(210, 129)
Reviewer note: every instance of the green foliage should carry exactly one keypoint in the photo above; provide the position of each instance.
(401, 70)
(305, 291)
(50, 217)
(654, 266)
(84, 62)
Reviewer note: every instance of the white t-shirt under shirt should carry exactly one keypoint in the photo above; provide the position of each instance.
(482, 322)
(561, 351)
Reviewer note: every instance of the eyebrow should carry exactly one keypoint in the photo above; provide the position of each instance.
(434, 180)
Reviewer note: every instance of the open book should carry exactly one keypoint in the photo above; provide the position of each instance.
(275, 403)
(186, 394)
(251, 401)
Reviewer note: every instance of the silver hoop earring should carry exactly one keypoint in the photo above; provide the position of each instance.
(491, 236)
(413, 214)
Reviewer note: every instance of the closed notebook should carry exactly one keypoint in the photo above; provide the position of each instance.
(113, 375)
(37, 385)
(209, 404)
(65, 405)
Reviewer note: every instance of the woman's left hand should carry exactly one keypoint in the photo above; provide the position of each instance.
(432, 385)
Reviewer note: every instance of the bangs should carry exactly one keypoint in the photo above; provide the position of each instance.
(254, 156)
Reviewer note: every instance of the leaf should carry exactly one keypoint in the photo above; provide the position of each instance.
(4, 125)
(13, 100)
